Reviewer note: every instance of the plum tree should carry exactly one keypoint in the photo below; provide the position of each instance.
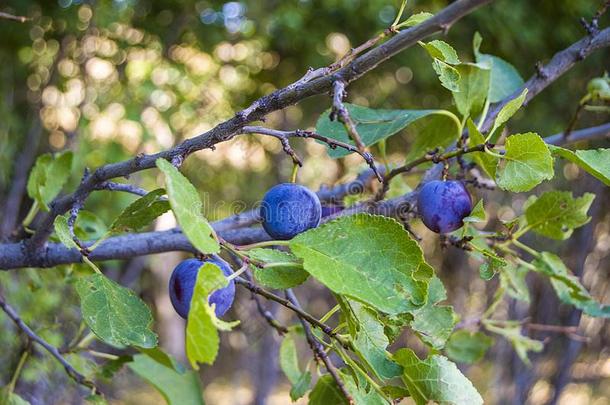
(182, 283)
(442, 205)
(289, 209)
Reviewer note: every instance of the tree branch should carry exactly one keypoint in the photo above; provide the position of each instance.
(18, 255)
(318, 350)
(339, 111)
(12, 17)
(299, 133)
(126, 188)
(586, 134)
(255, 289)
(75, 375)
(232, 229)
(277, 100)
(559, 64)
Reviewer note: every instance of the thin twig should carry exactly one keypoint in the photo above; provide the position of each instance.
(318, 350)
(268, 316)
(339, 111)
(574, 120)
(433, 156)
(286, 303)
(12, 17)
(299, 133)
(75, 375)
(124, 187)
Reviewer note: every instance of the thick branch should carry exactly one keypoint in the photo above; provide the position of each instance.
(18, 255)
(275, 101)
(559, 64)
(586, 134)
(232, 229)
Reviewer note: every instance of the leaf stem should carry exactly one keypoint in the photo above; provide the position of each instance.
(356, 366)
(92, 265)
(528, 249)
(102, 355)
(266, 243)
(483, 114)
(399, 15)
(330, 313)
(31, 214)
(498, 296)
(85, 341)
(295, 171)
(492, 153)
(11, 385)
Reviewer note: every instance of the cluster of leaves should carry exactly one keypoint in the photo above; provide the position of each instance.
(374, 268)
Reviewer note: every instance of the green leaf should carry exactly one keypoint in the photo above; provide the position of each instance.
(472, 88)
(283, 269)
(508, 110)
(113, 366)
(555, 214)
(441, 50)
(48, 177)
(326, 392)
(485, 161)
(504, 79)
(372, 125)
(96, 400)
(38, 178)
(511, 330)
(370, 342)
(468, 347)
(62, 230)
(186, 204)
(140, 213)
(477, 214)
(202, 340)
(114, 313)
(301, 386)
(596, 162)
(512, 279)
(435, 379)
(568, 287)
(448, 75)
(434, 323)
(493, 264)
(11, 399)
(416, 19)
(163, 358)
(178, 388)
(439, 129)
(89, 226)
(369, 258)
(526, 164)
(289, 362)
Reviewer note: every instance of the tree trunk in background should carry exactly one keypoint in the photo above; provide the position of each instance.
(580, 245)
(267, 370)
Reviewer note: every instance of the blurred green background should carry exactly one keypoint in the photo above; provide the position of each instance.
(110, 79)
